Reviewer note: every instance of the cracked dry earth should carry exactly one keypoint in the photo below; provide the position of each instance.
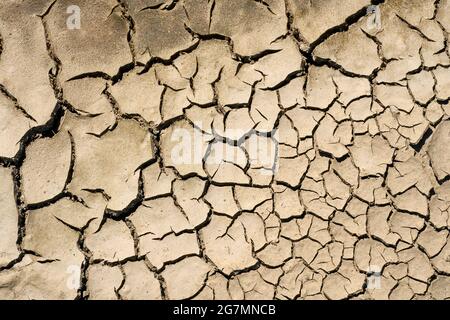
(93, 204)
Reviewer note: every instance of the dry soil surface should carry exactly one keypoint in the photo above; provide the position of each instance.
(224, 149)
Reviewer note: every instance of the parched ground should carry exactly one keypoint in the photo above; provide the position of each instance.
(224, 149)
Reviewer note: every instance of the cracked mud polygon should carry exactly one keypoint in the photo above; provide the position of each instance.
(224, 149)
